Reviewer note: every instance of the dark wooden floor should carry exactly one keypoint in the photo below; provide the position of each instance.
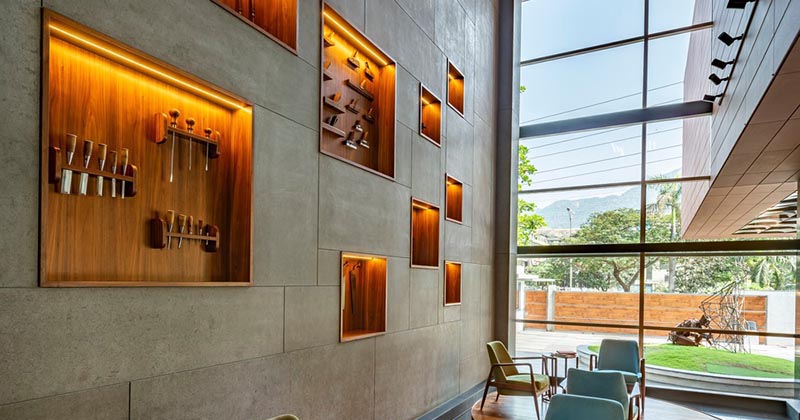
(521, 408)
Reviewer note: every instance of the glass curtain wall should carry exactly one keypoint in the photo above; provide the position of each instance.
(593, 204)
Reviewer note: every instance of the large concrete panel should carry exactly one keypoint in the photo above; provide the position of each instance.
(65, 340)
(407, 111)
(285, 201)
(309, 39)
(427, 176)
(398, 294)
(424, 297)
(415, 370)
(422, 12)
(329, 267)
(105, 403)
(459, 147)
(470, 310)
(451, 31)
(334, 382)
(473, 370)
(352, 10)
(403, 146)
(363, 212)
(19, 169)
(311, 317)
(251, 389)
(457, 242)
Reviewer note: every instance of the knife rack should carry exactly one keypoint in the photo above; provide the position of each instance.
(56, 164)
(164, 132)
(160, 236)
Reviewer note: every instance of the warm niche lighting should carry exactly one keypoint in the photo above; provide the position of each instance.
(330, 18)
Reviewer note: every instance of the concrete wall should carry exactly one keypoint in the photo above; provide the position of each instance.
(250, 353)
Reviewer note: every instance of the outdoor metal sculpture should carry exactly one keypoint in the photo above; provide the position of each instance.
(724, 310)
(692, 338)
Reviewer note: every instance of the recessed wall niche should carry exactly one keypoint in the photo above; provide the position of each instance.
(424, 234)
(120, 205)
(357, 108)
(363, 296)
(454, 199)
(455, 88)
(277, 19)
(430, 116)
(452, 283)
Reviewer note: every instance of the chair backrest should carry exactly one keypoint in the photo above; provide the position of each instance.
(576, 407)
(607, 385)
(284, 417)
(499, 354)
(619, 355)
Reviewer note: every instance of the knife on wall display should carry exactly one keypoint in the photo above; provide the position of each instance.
(101, 160)
(208, 132)
(181, 228)
(124, 163)
(87, 157)
(190, 122)
(174, 113)
(170, 225)
(66, 174)
(113, 158)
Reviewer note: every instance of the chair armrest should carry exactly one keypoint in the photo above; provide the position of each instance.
(592, 361)
(543, 358)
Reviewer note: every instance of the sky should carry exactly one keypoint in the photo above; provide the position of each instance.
(600, 82)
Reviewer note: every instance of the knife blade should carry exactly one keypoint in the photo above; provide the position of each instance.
(114, 172)
(190, 122)
(66, 174)
(87, 157)
(170, 225)
(208, 132)
(174, 113)
(124, 163)
(101, 159)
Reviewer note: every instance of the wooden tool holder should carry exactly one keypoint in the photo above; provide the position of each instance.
(277, 19)
(160, 236)
(430, 116)
(452, 283)
(98, 88)
(424, 234)
(362, 77)
(363, 296)
(454, 199)
(57, 162)
(455, 88)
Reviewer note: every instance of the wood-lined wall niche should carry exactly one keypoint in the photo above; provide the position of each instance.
(357, 108)
(363, 296)
(190, 220)
(454, 199)
(430, 116)
(455, 88)
(424, 234)
(277, 19)
(452, 283)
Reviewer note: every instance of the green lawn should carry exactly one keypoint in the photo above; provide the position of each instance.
(707, 360)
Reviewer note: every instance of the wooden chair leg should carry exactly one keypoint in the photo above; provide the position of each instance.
(536, 404)
(497, 397)
(486, 389)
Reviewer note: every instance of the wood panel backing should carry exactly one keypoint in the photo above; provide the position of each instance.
(430, 116)
(90, 240)
(452, 283)
(454, 201)
(363, 296)
(275, 18)
(424, 234)
(455, 88)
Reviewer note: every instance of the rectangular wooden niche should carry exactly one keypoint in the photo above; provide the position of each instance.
(97, 89)
(363, 299)
(452, 283)
(454, 199)
(430, 116)
(424, 234)
(357, 108)
(277, 19)
(455, 88)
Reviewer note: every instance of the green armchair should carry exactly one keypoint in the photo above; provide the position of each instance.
(606, 385)
(576, 407)
(509, 381)
(621, 356)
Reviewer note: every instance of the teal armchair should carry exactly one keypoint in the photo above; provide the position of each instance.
(606, 385)
(621, 356)
(509, 381)
(577, 407)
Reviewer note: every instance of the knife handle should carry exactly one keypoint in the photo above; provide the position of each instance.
(124, 159)
(170, 219)
(181, 222)
(72, 140)
(190, 223)
(174, 113)
(87, 151)
(113, 159)
(101, 153)
(190, 122)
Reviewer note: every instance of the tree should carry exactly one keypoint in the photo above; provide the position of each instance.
(668, 201)
(528, 222)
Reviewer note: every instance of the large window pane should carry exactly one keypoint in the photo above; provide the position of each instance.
(587, 84)
(611, 154)
(668, 205)
(603, 215)
(675, 68)
(671, 14)
(550, 27)
(678, 148)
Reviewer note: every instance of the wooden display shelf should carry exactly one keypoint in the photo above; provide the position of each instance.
(430, 116)
(452, 283)
(363, 296)
(341, 41)
(277, 19)
(160, 236)
(424, 234)
(454, 199)
(331, 129)
(333, 105)
(98, 88)
(455, 88)
(57, 163)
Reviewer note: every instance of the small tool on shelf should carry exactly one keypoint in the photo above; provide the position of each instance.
(87, 157)
(349, 142)
(207, 132)
(174, 114)
(66, 174)
(162, 231)
(124, 163)
(368, 116)
(363, 141)
(170, 225)
(101, 161)
(181, 228)
(353, 60)
(368, 71)
(190, 122)
(113, 172)
(166, 128)
(352, 106)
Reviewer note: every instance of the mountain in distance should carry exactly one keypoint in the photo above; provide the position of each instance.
(557, 217)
